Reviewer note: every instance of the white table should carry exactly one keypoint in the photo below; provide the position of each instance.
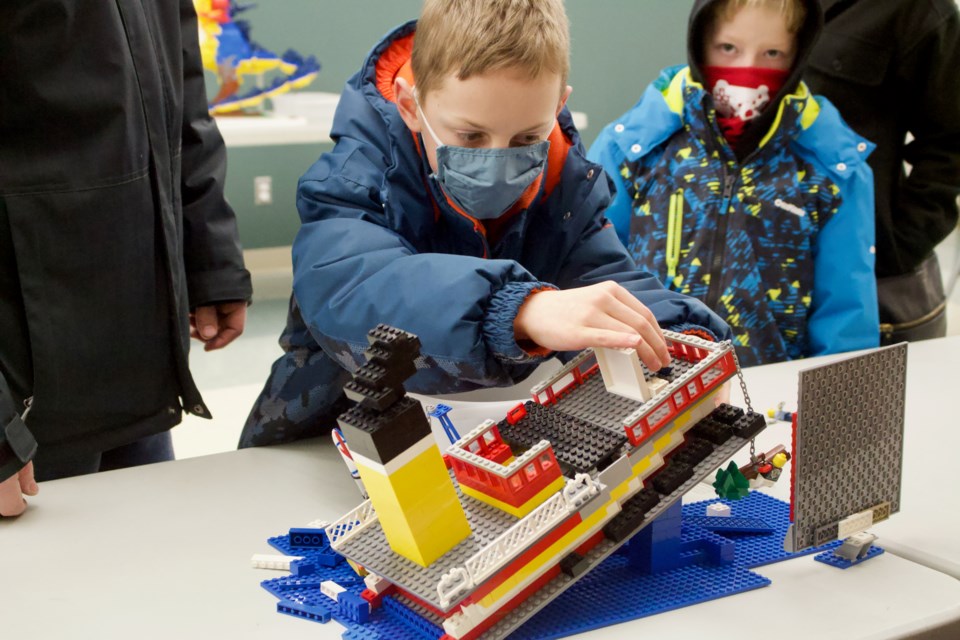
(163, 551)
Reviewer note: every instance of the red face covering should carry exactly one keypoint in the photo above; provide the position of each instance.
(741, 94)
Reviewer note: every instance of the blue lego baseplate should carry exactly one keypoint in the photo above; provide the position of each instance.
(596, 599)
(828, 557)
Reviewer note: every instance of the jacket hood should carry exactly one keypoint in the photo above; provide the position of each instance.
(806, 39)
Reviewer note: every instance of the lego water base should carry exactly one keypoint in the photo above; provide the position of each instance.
(595, 601)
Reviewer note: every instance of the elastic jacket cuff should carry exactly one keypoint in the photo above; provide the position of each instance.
(694, 330)
(17, 447)
(498, 325)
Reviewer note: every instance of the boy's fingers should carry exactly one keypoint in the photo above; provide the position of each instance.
(205, 319)
(28, 485)
(660, 344)
(611, 339)
(650, 333)
(11, 499)
(649, 357)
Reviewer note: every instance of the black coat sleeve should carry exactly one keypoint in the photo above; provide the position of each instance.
(212, 254)
(17, 446)
(929, 69)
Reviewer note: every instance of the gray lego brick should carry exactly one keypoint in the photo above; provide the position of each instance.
(370, 548)
(598, 554)
(848, 454)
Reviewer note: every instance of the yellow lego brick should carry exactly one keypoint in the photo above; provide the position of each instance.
(417, 506)
(523, 509)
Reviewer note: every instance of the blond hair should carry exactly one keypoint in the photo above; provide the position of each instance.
(794, 12)
(473, 37)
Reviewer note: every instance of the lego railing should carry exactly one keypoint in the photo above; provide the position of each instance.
(486, 562)
(351, 524)
(705, 376)
(513, 483)
(569, 377)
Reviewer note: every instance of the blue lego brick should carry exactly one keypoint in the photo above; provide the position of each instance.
(354, 607)
(828, 557)
(721, 524)
(317, 613)
(308, 538)
(302, 568)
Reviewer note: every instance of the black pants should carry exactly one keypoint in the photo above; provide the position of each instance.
(51, 463)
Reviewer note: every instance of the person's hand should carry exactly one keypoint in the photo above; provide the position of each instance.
(601, 315)
(14, 488)
(218, 325)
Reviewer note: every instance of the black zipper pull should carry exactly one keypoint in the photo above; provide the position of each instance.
(728, 182)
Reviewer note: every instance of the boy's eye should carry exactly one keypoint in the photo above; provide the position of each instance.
(470, 137)
(775, 53)
(726, 47)
(527, 140)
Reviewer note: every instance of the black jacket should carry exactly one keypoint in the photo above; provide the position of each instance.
(893, 67)
(112, 217)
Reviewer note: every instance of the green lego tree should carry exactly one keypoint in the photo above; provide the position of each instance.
(730, 483)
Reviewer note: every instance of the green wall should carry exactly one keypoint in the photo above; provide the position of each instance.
(618, 48)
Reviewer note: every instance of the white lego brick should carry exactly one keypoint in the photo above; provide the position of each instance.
(856, 523)
(272, 561)
(718, 510)
(623, 374)
(331, 589)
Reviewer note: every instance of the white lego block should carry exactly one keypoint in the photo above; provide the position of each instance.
(718, 510)
(376, 583)
(856, 523)
(623, 374)
(318, 524)
(331, 589)
(272, 561)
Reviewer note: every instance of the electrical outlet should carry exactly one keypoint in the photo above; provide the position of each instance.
(262, 190)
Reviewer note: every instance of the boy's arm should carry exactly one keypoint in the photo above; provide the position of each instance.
(608, 155)
(845, 315)
(926, 206)
(17, 448)
(211, 251)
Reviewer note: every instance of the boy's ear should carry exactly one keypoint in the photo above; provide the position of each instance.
(563, 99)
(406, 105)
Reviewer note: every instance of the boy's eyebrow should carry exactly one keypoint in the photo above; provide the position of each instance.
(535, 128)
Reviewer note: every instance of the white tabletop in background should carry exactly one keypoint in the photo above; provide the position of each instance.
(163, 551)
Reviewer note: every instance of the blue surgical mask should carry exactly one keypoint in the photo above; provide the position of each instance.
(486, 182)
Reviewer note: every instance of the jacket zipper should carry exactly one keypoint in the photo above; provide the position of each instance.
(674, 233)
(720, 239)
(27, 405)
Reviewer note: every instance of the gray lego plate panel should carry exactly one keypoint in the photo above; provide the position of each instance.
(849, 443)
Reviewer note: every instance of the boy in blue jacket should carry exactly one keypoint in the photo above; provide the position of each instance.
(737, 186)
(458, 205)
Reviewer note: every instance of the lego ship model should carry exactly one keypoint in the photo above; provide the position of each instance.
(478, 540)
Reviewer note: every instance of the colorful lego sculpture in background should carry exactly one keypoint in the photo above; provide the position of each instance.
(229, 52)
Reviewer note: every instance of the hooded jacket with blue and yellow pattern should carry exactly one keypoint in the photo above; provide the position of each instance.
(778, 243)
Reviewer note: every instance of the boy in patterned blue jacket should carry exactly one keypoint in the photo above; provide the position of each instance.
(458, 205)
(737, 186)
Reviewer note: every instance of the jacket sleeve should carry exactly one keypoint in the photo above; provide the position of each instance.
(608, 155)
(844, 314)
(599, 256)
(212, 255)
(354, 269)
(927, 199)
(17, 446)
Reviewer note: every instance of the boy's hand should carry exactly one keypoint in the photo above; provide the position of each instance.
(218, 325)
(14, 488)
(601, 315)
